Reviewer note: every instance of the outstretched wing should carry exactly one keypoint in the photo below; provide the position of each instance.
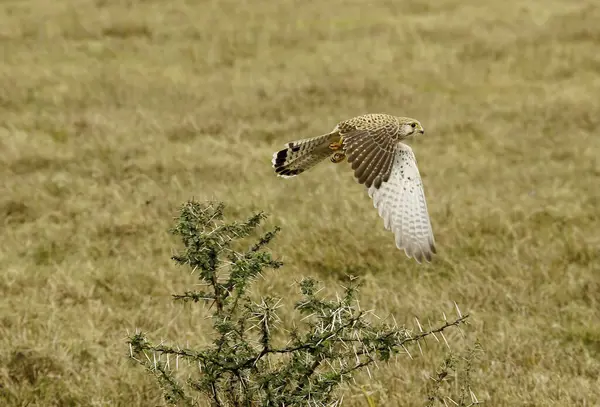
(371, 153)
(401, 203)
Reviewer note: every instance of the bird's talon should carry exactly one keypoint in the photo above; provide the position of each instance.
(338, 157)
(336, 145)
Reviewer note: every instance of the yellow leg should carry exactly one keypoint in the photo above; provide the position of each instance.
(336, 145)
(338, 157)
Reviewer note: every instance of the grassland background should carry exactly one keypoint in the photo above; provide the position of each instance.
(113, 113)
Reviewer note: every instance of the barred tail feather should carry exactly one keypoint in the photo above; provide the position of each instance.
(301, 155)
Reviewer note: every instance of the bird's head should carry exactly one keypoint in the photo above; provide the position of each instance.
(410, 127)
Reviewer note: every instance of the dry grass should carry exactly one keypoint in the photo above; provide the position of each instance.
(113, 113)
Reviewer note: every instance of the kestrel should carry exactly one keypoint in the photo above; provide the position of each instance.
(372, 144)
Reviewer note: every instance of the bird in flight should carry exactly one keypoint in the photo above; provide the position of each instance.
(372, 144)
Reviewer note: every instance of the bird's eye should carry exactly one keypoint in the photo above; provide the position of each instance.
(413, 125)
